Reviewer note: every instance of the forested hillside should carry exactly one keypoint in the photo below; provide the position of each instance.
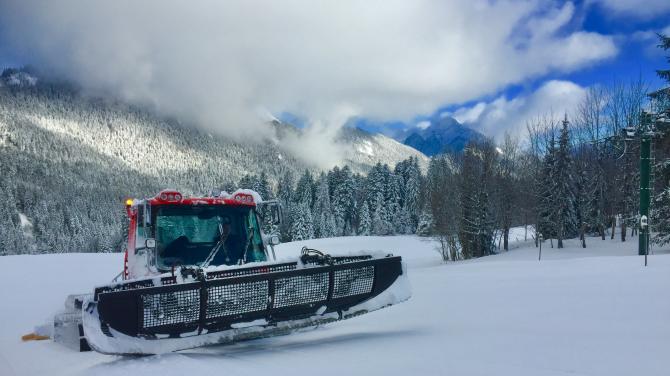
(68, 161)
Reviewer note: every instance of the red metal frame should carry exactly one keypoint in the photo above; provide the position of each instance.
(200, 201)
(240, 199)
(130, 244)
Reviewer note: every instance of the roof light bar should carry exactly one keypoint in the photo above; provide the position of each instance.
(243, 197)
(170, 196)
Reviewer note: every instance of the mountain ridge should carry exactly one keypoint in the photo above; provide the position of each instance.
(443, 135)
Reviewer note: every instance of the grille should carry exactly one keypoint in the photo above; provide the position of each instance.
(125, 286)
(301, 290)
(259, 270)
(346, 259)
(135, 285)
(349, 282)
(236, 299)
(170, 308)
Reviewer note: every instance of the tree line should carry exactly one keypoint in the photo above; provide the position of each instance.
(576, 176)
(340, 202)
(572, 177)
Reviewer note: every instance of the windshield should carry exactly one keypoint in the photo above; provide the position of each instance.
(189, 235)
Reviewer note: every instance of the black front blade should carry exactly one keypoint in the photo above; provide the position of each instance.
(223, 299)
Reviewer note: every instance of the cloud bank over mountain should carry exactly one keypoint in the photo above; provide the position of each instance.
(553, 99)
(219, 63)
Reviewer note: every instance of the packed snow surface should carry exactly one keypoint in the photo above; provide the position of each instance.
(593, 311)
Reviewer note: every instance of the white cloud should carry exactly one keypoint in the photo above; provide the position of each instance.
(642, 9)
(649, 35)
(217, 62)
(553, 98)
(648, 39)
(423, 124)
(643, 36)
(469, 115)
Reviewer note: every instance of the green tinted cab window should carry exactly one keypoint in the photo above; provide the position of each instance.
(186, 235)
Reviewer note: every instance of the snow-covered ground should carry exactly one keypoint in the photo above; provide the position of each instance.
(594, 311)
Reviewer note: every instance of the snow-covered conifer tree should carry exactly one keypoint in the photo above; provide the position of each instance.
(302, 227)
(566, 219)
(324, 225)
(661, 212)
(477, 221)
(380, 217)
(365, 221)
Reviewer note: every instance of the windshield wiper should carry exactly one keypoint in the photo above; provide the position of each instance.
(217, 247)
(246, 246)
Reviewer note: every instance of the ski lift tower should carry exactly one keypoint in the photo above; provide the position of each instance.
(646, 135)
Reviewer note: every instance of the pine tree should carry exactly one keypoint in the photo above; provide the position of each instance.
(302, 227)
(305, 190)
(596, 204)
(565, 219)
(376, 182)
(661, 212)
(285, 196)
(545, 186)
(477, 221)
(665, 45)
(261, 185)
(365, 222)
(343, 202)
(285, 188)
(412, 191)
(7, 227)
(662, 217)
(393, 201)
(425, 225)
(325, 225)
(402, 223)
(380, 217)
(328, 227)
(247, 182)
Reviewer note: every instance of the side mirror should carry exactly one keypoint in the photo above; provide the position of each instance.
(276, 214)
(150, 243)
(273, 209)
(274, 240)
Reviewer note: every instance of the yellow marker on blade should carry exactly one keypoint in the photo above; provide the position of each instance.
(33, 337)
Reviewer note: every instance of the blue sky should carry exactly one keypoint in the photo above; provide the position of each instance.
(638, 54)
(637, 57)
(383, 66)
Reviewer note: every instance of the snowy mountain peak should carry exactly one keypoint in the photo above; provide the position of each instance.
(439, 135)
(368, 149)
